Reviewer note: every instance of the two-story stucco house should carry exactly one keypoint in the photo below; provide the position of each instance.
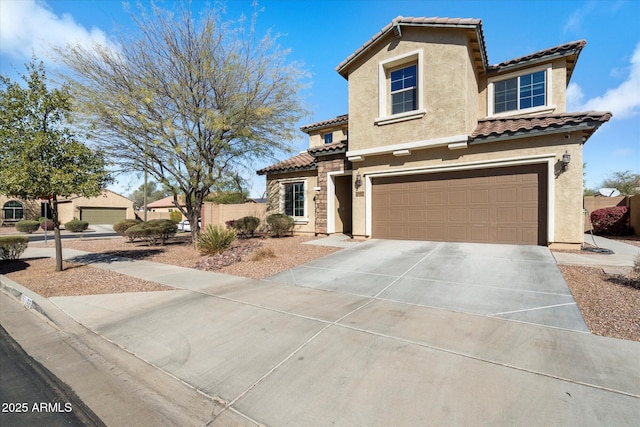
(439, 145)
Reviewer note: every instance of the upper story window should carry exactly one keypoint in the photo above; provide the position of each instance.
(400, 88)
(404, 87)
(328, 138)
(520, 92)
(515, 93)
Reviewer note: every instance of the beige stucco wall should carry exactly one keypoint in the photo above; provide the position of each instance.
(449, 89)
(566, 186)
(273, 197)
(215, 214)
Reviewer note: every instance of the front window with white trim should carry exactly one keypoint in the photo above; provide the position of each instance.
(293, 199)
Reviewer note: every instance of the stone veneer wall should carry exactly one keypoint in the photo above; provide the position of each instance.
(331, 163)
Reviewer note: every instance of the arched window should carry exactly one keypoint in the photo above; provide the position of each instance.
(13, 211)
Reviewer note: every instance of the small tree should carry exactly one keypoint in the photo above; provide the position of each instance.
(188, 99)
(40, 157)
(627, 182)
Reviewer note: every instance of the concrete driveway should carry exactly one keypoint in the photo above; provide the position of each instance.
(289, 355)
(513, 282)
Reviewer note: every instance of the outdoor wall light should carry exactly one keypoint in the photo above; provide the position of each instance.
(566, 159)
(358, 182)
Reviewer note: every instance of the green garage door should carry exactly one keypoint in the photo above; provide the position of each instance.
(103, 215)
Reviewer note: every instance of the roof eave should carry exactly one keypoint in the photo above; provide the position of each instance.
(342, 68)
(307, 129)
(287, 170)
(587, 128)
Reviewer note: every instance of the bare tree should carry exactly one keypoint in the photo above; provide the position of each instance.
(188, 100)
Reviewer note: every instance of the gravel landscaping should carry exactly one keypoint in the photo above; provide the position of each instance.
(609, 304)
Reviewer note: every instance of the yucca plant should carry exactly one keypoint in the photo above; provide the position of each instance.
(215, 239)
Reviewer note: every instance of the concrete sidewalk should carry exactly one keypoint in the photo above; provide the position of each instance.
(621, 261)
(286, 355)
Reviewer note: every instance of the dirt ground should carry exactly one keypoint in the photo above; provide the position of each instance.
(609, 304)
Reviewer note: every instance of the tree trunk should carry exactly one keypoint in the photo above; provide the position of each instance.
(56, 232)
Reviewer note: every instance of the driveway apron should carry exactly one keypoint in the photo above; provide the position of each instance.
(514, 282)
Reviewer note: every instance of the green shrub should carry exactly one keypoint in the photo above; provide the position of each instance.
(156, 231)
(27, 226)
(11, 247)
(215, 239)
(246, 226)
(280, 224)
(76, 225)
(175, 216)
(122, 226)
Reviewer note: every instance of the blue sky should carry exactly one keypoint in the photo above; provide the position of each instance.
(321, 34)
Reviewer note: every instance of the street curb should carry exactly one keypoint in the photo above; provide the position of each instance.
(18, 291)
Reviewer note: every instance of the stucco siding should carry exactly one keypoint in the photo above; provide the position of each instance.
(448, 95)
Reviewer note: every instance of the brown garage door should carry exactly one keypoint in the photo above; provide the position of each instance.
(103, 215)
(502, 205)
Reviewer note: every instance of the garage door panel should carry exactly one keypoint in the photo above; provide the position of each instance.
(458, 215)
(506, 205)
(458, 197)
(480, 215)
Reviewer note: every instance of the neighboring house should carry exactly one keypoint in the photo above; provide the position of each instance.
(108, 208)
(439, 145)
(165, 205)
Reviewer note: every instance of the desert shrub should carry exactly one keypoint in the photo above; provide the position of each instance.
(215, 239)
(263, 253)
(76, 225)
(280, 224)
(122, 226)
(612, 221)
(11, 247)
(27, 226)
(175, 216)
(154, 232)
(246, 226)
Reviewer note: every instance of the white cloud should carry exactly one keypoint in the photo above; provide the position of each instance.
(575, 23)
(575, 96)
(623, 101)
(29, 27)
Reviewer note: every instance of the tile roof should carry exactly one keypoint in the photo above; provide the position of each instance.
(301, 162)
(496, 127)
(571, 49)
(428, 22)
(326, 123)
(326, 149)
(166, 202)
(560, 50)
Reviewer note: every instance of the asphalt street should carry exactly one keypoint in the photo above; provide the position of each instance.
(32, 396)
